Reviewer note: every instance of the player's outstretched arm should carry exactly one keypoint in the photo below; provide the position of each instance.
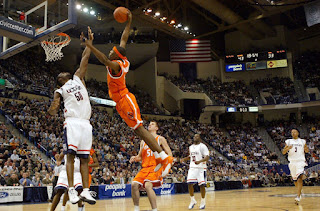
(205, 159)
(100, 56)
(184, 159)
(286, 149)
(55, 104)
(126, 32)
(81, 72)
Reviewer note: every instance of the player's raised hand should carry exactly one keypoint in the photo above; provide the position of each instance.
(90, 34)
(84, 40)
(290, 147)
(129, 15)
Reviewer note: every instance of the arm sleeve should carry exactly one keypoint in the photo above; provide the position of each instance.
(204, 150)
(59, 91)
(287, 142)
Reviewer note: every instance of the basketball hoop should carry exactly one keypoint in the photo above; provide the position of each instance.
(54, 45)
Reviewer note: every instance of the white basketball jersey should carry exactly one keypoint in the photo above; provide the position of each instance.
(76, 99)
(198, 152)
(296, 153)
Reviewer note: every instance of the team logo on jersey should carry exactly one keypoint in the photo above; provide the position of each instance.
(130, 115)
(73, 89)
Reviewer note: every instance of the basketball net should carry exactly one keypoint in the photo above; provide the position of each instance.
(54, 45)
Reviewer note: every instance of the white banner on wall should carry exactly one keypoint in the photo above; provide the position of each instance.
(11, 194)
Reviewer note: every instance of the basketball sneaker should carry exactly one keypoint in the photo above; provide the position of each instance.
(86, 196)
(297, 200)
(202, 204)
(166, 165)
(192, 203)
(73, 196)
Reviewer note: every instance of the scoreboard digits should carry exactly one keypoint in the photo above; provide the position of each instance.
(256, 56)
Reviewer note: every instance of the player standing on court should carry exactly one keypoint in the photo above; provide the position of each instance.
(198, 156)
(296, 149)
(77, 127)
(147, 179)
(117, 67)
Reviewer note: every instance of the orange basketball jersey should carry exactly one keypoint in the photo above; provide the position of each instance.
(148, 158)
(117, 84)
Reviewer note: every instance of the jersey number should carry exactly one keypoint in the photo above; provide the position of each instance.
(149, 153)
(78, 95)
(193, 158)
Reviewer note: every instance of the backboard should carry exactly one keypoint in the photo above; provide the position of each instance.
(29, 22)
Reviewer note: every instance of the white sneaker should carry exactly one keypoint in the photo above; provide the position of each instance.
(297, 200)
(192, 203)
(86, 196)
(202, 205)
(73, 196)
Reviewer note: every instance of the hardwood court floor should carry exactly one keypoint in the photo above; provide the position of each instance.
(278, 198)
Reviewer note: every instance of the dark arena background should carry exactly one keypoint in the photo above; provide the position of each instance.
(241, 73)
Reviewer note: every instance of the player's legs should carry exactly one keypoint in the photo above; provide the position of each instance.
(299, 185)
(70, 168)
(151, 195)
(191, 190)
(84, 170)
(56, 199)
(203, 196)
(129, 111)
(202, 181)
(135, 195)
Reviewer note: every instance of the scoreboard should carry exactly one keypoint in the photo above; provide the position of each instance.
(242, 109)
(256, 56)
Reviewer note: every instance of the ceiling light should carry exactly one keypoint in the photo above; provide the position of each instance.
(85, 10)
(78, 6)
(186, 28)
(149, 10)
(172, 22)
(179, 25)
(92, 12)
(157, 14)
(164, 18)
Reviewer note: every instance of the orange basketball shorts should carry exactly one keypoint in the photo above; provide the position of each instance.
(148, 175)
(129, 111)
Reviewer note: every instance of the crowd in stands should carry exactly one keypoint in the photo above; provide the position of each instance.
(281, 89)
(20, 164)
(307, 67)
(184, 84)
(229, 93)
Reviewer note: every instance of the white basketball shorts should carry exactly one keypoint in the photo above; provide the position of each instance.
(63, 180)
(77, 137)
(197, 175)
(296, 169)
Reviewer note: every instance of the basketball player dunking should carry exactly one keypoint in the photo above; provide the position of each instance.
(77, 127)
(147, 179)
(198, 156)
(296, 149)
(117, 67)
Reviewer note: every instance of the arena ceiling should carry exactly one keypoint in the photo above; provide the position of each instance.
(204, 18)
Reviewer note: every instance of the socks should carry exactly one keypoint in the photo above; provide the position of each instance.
(156, 155)
(203, 200)
(155, 209)
(81, 208)
(192, 198)
(163, 155)
(63, 208)
(85, 189)
(136, 208)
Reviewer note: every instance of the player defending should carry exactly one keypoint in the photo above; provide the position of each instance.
(147, 178)
(77, 127)
(93, 163)
(62, 185)
(199, 155)
(296, 149)
(118, 66)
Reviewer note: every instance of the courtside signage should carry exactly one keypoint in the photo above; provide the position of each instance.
(11, 194)
(235, 67)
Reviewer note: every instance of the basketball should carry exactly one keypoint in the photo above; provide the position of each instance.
(121, 14)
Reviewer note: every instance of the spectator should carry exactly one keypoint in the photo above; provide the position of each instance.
(25, 181)
(14, 156)
(47, 181)
(13, 180)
